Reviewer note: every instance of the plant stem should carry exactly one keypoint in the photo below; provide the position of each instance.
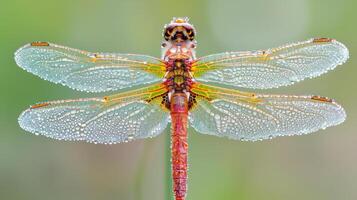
(140, 171)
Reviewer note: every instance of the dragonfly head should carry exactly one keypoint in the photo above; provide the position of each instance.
(179, 40)
(179, 30)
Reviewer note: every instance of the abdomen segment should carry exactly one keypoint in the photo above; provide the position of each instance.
(179, 146)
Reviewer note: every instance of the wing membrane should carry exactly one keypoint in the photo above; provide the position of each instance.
(238, 116)
(113, 119)
(271, 68)
(85, 71)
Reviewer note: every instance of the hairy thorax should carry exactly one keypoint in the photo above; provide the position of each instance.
(178, 77)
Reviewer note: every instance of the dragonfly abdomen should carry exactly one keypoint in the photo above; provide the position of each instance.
(179, 145)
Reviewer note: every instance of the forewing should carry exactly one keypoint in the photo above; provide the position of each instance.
(271, 68)
(86, 71)
(113, 119)
(261, 117)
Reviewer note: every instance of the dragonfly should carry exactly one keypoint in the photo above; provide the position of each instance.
(181, 90)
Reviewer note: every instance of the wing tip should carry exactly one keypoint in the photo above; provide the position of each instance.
(340, 111)
(344, 52)
(18, 53)
(33, 44)
(23, 122)
(31, 126)
(342, 115)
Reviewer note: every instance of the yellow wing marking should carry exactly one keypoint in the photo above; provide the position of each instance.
(245, 99)
(213, 92)
(147, 94)
(106, 59)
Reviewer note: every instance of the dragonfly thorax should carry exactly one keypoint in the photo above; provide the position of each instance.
(178, 77)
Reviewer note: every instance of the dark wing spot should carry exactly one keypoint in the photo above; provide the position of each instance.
(321, 40)
(40, 44)
(323, 99)
(40, 105)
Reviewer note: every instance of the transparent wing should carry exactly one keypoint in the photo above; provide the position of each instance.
(85, 71)
(271, 68)
(112, 119)
(246, 116)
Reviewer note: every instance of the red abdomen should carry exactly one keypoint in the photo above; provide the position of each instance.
(179, 146)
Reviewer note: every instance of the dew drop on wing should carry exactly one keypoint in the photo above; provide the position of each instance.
(130, 137)
(293, 79)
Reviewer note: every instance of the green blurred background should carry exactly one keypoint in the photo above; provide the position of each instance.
(316, 166)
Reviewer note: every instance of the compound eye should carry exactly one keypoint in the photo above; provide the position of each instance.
(167, 36)
(168, 33)
(163, 45)
(190, 34)
(169, 30)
